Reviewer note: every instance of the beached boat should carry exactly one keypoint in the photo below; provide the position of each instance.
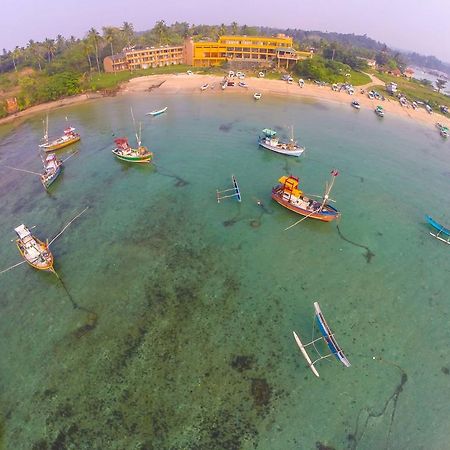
(243, 84)
(270, 141)
(69, 137)
(443, 130)
(52, 169)
(379, 111)
(257, 95)
(288, 195)
(156, 112)
(34, 252)
(441, 230)
(205, 86)
(356, 104)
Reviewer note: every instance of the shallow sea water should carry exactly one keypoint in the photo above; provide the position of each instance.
(181, 334)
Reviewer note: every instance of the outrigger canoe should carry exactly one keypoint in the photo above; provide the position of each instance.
(156, 112)
(441, 230)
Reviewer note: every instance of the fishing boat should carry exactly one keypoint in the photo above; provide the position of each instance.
(156, 112)
(52, 169)
(205, 86)
(356, 104)
(379, 111)
(327, 336)
(443, 130)
(441, 230)
(34, 251)
(270, 141)
(257, 95)
(69, 137)
(125, 152)
(243, 84)
(288, 195)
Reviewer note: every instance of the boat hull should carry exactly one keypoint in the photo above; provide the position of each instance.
(297, 152)
(41, 261)
(57, 145)
(157, 113)
(437, 226)
(133, 158)
(328, 214)
(47, 181)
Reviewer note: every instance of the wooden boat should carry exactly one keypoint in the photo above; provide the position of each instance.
(243, 84)
(327, 336)
(69, 137)
(156, 112)
(35, 252)
(288, 195)
(52, 169)
(257, 95)
(125, 152)
(356, 104)
(270, 141)
(205, 86)
(379, 111)
(441, 230)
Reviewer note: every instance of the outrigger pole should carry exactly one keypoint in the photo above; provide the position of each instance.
(328, 337)
(235, 189)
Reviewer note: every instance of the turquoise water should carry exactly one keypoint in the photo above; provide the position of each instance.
(181, 334)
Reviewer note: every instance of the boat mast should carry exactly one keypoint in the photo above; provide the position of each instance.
(138, 136)
(45, 123)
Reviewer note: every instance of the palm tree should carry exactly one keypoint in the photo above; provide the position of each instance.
(440, 84)
(94, 37)
(33, 49)
(160, 29)
(234, 28)
(128, 32)
(15, 54)
(49, 45)
(108, 36)
(87, 49)
(222, 29)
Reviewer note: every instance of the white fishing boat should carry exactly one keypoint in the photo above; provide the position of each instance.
(257, 95)
(270, 141)
(356, 104)
(156, 112)
(205, 86)
(52, 168)
(379, 111)
(243, 84)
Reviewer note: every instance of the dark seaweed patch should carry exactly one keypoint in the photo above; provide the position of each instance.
(445, 370)
(242, 362)
(261, 392)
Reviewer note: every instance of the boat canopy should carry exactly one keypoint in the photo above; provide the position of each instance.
(290, 184)
(122, 142)
(22, 231)
(268, 132)
(69, 130)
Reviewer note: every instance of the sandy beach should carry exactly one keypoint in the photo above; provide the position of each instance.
(173, 84)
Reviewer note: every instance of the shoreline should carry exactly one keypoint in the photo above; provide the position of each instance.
(190, 84)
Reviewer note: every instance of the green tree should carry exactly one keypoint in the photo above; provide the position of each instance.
(94, 37)
(160, 29)
(222, 29)
(50, 48)
(128, 33)
(109, 35)
(234, 28)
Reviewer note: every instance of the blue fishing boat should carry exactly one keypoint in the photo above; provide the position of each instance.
(441, 230)
(231, 192)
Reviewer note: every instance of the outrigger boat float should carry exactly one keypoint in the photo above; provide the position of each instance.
(288, 195)
(442, 230)
(270, 141)
(125, 152)
(236, 192)
(69, 137)
(327, 336)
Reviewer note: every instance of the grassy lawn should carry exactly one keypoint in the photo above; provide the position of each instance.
(414, 90)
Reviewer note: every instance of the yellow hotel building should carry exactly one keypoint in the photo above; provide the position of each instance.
(261, 50)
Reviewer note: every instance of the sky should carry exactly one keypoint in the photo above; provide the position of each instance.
(416, 25)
